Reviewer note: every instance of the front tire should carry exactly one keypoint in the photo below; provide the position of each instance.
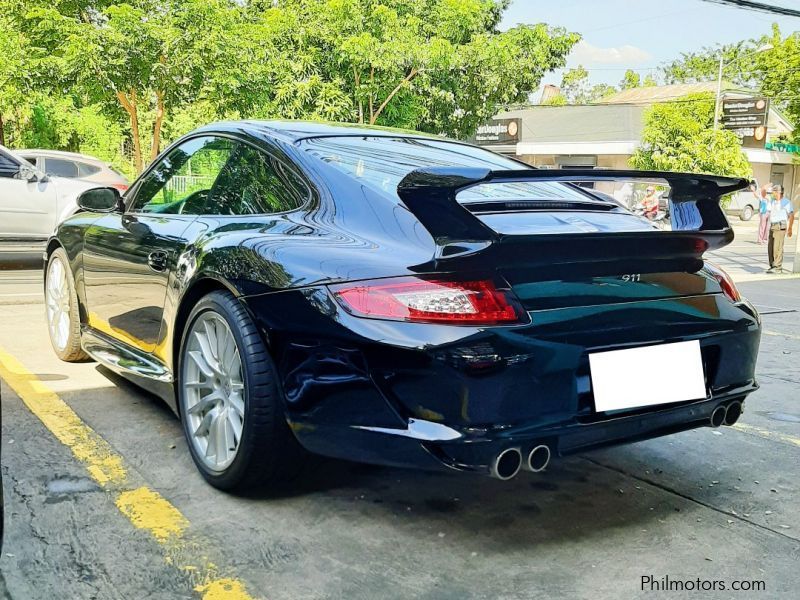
(61, 309)
(747, 213)
(230, 401)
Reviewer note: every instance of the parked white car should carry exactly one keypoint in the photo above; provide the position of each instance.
(72, 165)
(32, 203)
(743, 204)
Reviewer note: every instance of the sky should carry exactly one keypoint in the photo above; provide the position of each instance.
(643, 34)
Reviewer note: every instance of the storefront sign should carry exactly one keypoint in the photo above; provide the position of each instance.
(498, 131)
(747, 118)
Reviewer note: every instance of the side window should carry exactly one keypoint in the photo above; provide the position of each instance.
(30, 159)
(254, 183)
(8, 167)
(60, 167)
(181, 182)
(85, 169)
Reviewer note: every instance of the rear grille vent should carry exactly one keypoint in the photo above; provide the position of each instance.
(517, 205)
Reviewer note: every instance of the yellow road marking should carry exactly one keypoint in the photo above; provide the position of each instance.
(778, 333)
(103, 464)
(223, 589)
(145, 508)
(767, 434)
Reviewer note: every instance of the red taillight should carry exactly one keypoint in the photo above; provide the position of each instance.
(725, 282)
(122, 187)
(430, 301)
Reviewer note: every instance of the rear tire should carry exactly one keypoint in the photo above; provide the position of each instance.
(61, 309)
(230, 401)
(747, 213)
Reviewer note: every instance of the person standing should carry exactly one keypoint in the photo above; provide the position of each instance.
(763, 211)
(781, 219)
(650, 203)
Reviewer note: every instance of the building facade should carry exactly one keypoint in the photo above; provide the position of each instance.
(606, 135)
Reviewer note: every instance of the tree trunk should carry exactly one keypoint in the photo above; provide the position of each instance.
(371, 81)
(357, 79)
(2, 131)
(129, 104)
(157, 126)
(374, 116)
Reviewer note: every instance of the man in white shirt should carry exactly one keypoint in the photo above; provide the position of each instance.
(781, 219)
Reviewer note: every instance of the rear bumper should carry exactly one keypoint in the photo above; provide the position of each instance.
(574, 437)
(438, 397)
(474, 448)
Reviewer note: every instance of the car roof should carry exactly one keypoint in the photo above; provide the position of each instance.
(59, 154)
(294, 131)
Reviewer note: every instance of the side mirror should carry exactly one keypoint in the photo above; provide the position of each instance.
(28, 173)
(104, 199)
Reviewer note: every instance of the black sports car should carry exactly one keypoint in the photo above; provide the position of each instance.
(402, 299)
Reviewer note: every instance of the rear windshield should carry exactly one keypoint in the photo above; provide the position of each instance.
(381, 162)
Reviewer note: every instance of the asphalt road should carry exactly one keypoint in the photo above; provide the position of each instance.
(715, 505)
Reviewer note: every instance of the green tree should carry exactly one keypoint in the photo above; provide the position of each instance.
(777, 71)
(575, 88)
(15, 56)
(630, 80)
(774, 72)
(556, 100)
(703, 65)
(437, 65)
(601, 91)
(160, 67)
(575, 85)
(679, 136)
(146, 55)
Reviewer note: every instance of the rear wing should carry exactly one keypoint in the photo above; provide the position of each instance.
(699, 223)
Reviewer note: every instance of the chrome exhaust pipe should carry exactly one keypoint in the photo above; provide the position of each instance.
(506, 464)
(718, 416)
(538, 459)
(732, 412)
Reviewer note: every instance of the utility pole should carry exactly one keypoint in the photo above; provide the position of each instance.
(758, 50)
(719, 89)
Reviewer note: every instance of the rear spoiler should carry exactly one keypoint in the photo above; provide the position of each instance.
(430, 194)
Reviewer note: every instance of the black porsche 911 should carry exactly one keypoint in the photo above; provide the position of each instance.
(400, 299)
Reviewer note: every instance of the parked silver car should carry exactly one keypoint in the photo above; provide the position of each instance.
(75, 166)
(32, 203)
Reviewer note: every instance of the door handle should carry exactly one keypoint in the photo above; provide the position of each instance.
(157, 260)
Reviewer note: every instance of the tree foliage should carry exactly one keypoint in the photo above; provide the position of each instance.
(679, 136)
(774, 71)
(575, 85)
(159, 67)
(15, 75)
(632, 79)
(575, 88)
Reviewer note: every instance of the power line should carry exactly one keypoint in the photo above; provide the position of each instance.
(772, 9)
(647, 103)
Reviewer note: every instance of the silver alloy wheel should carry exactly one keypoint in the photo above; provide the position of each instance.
(57, 300)
(213, 388)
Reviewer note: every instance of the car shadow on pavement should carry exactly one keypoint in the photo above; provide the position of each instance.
(574, 498)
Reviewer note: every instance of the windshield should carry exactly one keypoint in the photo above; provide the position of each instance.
(381, 162)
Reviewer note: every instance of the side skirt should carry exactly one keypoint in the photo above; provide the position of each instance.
(135, 366)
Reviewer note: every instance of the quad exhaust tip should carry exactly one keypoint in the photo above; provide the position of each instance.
(506, 464)
(538, 459)
(718, 416)
(726, 414)
(732, 412)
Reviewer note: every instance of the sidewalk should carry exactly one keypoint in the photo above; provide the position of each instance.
(745, 260)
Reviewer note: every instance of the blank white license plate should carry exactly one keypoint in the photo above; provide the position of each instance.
(646, 376)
